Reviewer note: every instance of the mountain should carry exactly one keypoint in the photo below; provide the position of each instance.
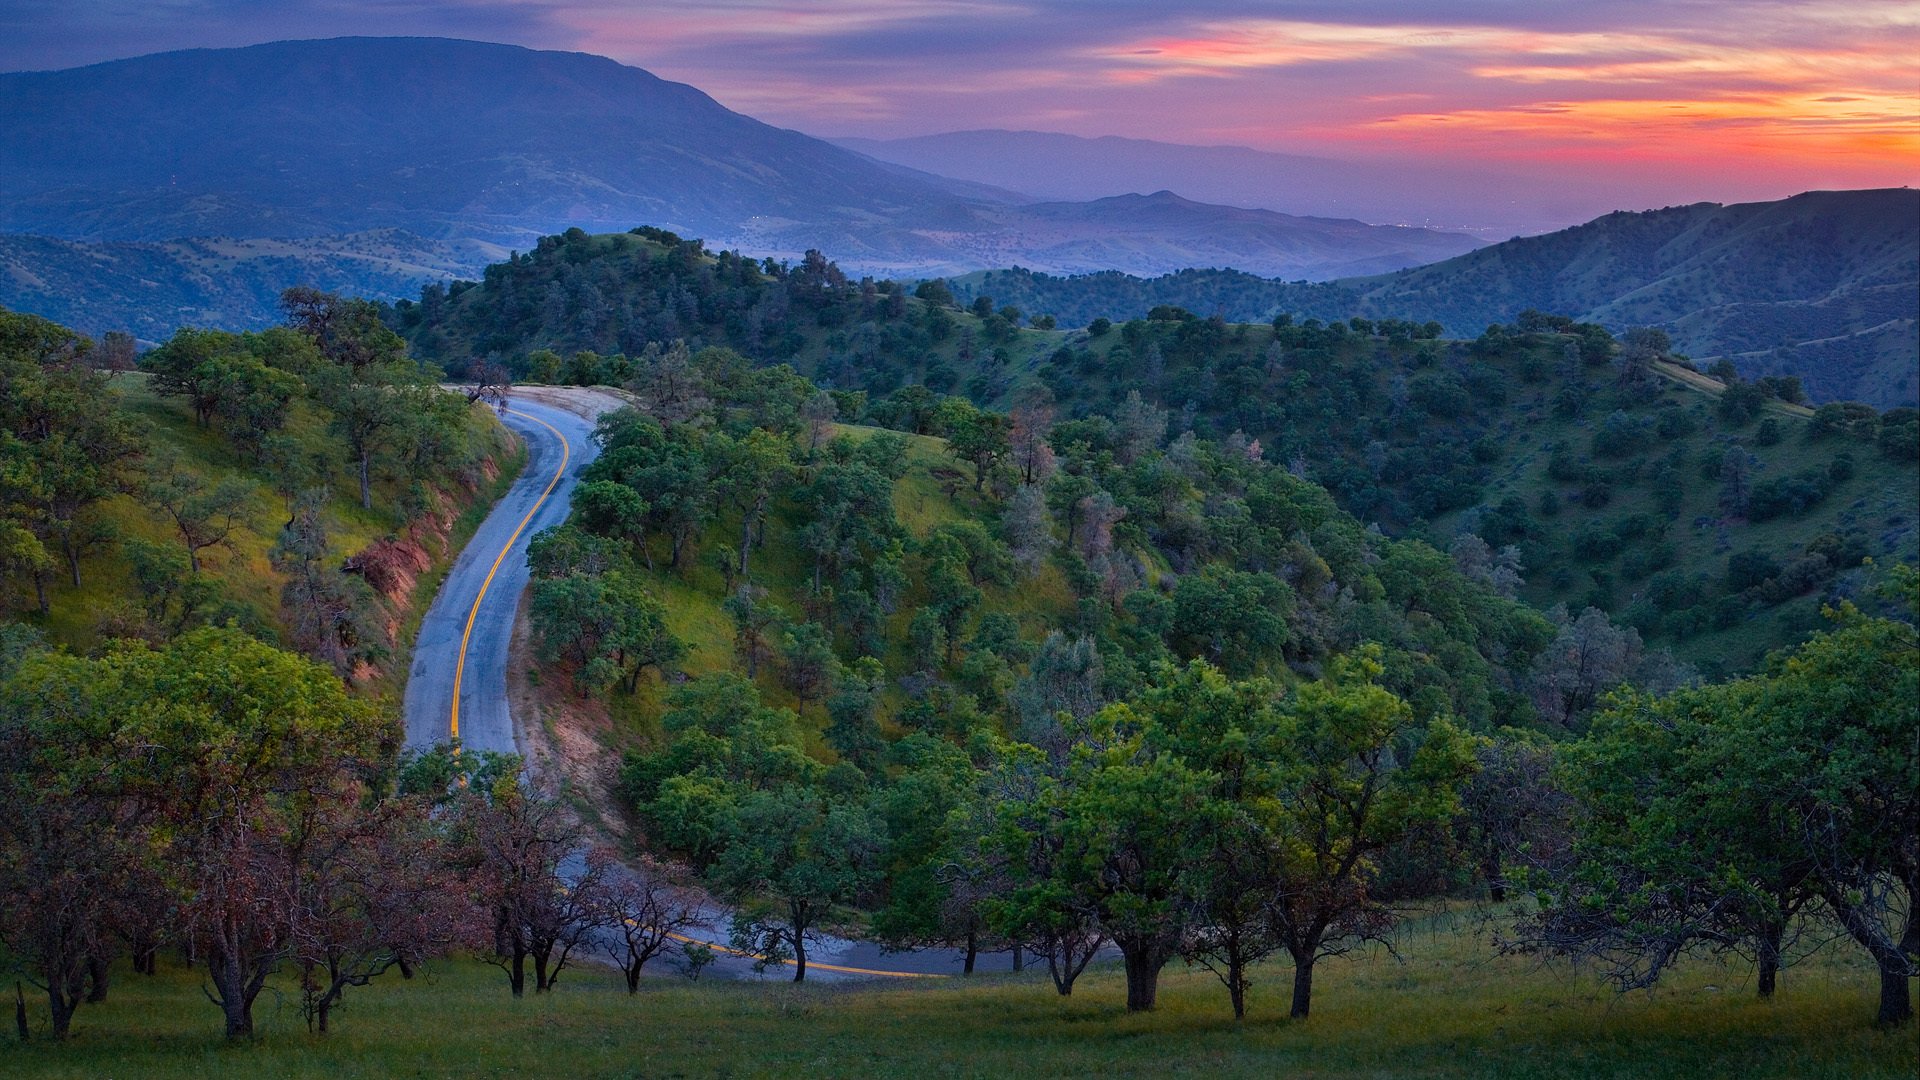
(1049, 165)
(1171, 232)
(432, 135)
(460, 140)
(1824, 285)
(151, 288)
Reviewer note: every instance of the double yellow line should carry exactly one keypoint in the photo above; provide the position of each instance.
(460, 664)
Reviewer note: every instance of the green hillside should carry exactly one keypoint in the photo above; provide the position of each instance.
(1422, 435)
(1823, 286)
(267, 468)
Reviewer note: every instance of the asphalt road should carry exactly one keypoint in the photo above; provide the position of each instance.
(458, 687)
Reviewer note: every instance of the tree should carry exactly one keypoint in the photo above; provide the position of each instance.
(792, 856)
(73, 839)
(1235, 619)
(376, 892)
(1787, 795)
(645, 913)
(1640, 348)
(61, 454)
(523, 840)
(751, 469)
(1026, 856)
(976, 437)
(1027, 528)
(1130, 828)
(807, 663)
(1063, 678)
(333, 616)
(1588, 657)
(1345, 797)
(853, 728)
(610, 626)
(204, 515)
(1515, 815)
(757, 625)
(236, 754)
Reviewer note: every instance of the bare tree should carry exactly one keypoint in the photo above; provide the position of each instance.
(376, 893)
(492, 384)
(645, 914)
(545, 894)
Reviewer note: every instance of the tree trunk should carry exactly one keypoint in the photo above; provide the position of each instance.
(517, 971)
(799, 957)
(1896, 991)
(973, 951)
(1063, 974)
(633, 977)
(1302, 987)
(98, 972)
(746, 542)
(1237, 986)
(366, 483)
(62, 1006)
(1019, 958)
(20, 1010)
(145, 950)
(541, 984)
(1496, 885)
(1769, 950)
(1143, 975)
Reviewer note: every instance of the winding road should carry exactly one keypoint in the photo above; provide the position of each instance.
(458, 684)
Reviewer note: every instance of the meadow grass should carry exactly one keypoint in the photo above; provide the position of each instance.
(1448, 1008)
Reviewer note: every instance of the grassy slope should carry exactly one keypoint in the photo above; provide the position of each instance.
(694, 594)
(1879, 502)
(243, 570)
(1450, 1008)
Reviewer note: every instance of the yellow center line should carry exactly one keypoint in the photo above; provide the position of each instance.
(813, 964)
(460, 664)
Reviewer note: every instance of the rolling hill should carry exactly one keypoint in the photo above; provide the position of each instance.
(1824, 285)
(1615, 495)
(150, 288)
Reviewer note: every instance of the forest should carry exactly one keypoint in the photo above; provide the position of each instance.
(1073, 675)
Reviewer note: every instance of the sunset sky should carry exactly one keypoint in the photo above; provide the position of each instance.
(1687, 99)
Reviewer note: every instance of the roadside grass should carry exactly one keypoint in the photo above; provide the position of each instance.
(1450, 1008)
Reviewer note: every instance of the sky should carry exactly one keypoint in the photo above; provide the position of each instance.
(1688, 98)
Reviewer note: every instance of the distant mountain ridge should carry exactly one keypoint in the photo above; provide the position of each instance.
(1824, 285)
(1054, 166)
(465, 140)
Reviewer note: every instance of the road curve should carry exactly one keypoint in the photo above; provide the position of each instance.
(458, 685)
